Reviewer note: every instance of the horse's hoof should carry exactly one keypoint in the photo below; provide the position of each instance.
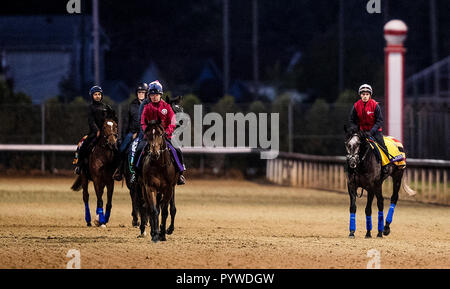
(380, 235)
(368, 235)
(169, 231)
(386, 230)
(96, 221)
(103, 226)
(89, 224)
(352, 235)
(135, 223)
(162, 238)
(155, 239)
(142, 235)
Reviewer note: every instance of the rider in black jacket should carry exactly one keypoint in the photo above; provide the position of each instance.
(133, 125)
(97, 113)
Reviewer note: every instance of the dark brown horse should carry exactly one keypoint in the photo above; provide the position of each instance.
(365, 171)
(101, 166)
(159, 177)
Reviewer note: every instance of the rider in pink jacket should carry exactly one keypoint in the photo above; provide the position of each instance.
(158, 109)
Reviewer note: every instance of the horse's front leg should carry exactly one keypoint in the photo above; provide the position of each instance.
(110, 190)
(134, 207)
(173, 212)
(87, 212)
(167, 198)
(370, 196)
(352, 193)
(380, 205)
(140, 203)
(164, 215)
(100, 218)
(153, 212)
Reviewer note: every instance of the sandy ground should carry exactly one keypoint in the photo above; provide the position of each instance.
(219, 224)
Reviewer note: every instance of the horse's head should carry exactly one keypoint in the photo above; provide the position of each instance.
(155, 137)
(110, 133)
(353, 146)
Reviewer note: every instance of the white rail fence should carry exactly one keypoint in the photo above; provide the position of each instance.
(429, 178)
(49, 148)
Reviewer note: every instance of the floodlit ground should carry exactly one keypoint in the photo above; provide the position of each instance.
(219, 224)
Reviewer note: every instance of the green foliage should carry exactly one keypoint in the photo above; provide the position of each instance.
(188, 103)
(108, 100)
(347, 96)
(257, 107)
(79, 100)
(5, 93)
(225, 105)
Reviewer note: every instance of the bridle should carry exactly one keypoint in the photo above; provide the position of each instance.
(105, 136)
(156, 154)
(352, 158)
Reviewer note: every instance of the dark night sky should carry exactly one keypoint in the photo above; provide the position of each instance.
(178, 35)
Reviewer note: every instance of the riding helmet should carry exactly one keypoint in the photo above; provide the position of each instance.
(365, 88)
(95, 89)
(155, 88)
(142, 86)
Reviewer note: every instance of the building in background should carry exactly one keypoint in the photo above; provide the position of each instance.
(43, 51)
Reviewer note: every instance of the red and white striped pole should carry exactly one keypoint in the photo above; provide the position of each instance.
(395, 34)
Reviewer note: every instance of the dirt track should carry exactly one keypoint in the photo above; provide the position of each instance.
(219, 224)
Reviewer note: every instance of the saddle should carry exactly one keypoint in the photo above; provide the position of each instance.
(395, 154)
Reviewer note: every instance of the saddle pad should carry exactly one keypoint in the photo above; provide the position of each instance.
(75, 160)
(395, 150)
(81, 141)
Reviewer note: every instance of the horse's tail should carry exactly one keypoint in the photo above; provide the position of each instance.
(407, 189)
(77, 184)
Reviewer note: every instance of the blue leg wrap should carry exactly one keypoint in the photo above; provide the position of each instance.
(101, 217)
(380, 221)
(390, 214)
(369, 223)
(352, 222)
(87, 213)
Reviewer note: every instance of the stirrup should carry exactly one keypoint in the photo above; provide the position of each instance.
(181, 180)
(77, 170)
(133, 179)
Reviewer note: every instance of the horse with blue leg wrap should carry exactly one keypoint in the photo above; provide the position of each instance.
(364, 171)
(100, 168)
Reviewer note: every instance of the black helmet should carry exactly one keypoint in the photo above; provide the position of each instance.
(155, 88)
(95, 89)
(142, 86)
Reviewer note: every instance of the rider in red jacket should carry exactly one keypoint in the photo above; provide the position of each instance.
(366, 115)
(158, 109)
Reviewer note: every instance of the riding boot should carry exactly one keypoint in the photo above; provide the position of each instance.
(118, 172)
(181, 179)
(78, 161)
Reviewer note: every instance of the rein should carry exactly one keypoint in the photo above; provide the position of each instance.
(158, 153)
(358, 162)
